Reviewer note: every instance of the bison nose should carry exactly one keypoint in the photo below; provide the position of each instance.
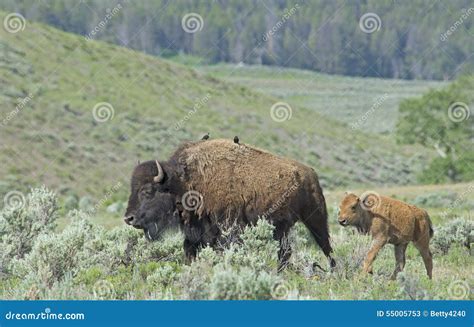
(343, 222)
(129, 219)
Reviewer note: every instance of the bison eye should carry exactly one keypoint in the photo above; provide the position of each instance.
(353, 207)
(147, 192)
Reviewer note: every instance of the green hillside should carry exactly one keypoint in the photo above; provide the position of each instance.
(50, 81)
(346, 99)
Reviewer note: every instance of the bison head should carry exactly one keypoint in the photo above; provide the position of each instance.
(151, 206)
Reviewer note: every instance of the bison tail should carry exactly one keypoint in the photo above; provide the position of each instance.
(431, 230)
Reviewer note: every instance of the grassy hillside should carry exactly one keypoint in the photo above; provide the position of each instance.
(345, 99)
(50, 81)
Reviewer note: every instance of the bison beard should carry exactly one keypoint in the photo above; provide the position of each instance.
(230, 186)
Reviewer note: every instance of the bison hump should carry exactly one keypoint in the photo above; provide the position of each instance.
(238, 176)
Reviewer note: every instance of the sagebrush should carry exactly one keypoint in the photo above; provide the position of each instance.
(86, 261)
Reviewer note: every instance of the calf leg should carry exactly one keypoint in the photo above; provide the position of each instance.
(400, 250)
(424, 249)
(377, 244)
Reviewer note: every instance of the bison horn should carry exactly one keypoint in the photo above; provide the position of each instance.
(158, 178)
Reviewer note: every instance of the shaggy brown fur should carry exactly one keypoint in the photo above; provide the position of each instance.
(388, 221)
(237, 184)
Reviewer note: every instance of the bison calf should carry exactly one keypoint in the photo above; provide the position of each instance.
(388, 221)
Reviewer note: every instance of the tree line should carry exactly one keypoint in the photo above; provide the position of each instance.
(419, 39)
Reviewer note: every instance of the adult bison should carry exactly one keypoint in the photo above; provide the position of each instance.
(214, 185)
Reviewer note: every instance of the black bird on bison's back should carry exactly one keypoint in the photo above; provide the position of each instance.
(236, 139)
(205, 137)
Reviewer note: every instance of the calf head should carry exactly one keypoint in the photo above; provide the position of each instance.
(349, 210)
(357, 211)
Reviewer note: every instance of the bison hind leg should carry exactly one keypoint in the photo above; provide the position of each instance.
(400, 250)
(320, 232)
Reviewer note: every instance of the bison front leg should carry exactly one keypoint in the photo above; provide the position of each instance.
(284, 253)
(377, 244)
(400, 250)
(280, 234)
